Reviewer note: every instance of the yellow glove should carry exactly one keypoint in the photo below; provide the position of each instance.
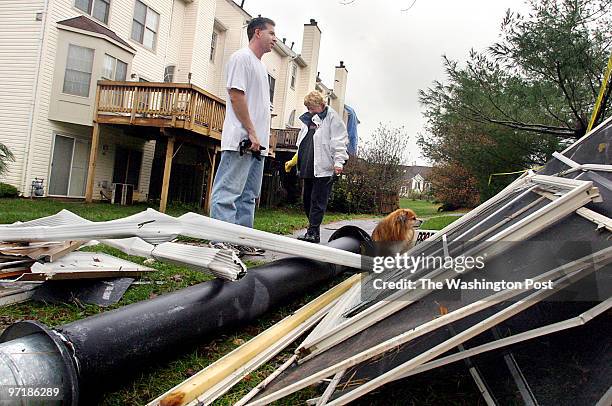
(291, 164)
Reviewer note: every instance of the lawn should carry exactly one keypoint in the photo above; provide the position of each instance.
(278, 221)
(422, 208)
(438, 223)
(157, 379)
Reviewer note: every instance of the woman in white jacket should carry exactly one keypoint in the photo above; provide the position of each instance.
(322, 144)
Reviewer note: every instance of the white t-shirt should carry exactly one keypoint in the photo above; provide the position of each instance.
(246, 72)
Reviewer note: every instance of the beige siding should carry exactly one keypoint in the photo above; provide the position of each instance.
(175, 40)
(148, 64)
(19, 50)
(201, 47)
(183, 39)
(291, 102)
(217, 83)
(235, 38)
(277, 68)
(79, 109)
(195, 49)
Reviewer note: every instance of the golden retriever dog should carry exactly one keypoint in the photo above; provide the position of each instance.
(398, 229)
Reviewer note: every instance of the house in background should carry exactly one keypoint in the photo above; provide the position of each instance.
(415, 180)
(98, 96)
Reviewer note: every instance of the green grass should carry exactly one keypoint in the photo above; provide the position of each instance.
(278, 221)
(438, 223)
(422, 208)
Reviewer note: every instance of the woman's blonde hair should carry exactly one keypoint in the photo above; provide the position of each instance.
(314, 98)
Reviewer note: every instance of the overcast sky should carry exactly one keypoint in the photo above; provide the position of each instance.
(390, 54)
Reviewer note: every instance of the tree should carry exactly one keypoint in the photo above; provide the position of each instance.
(508, 108)
(6, 156)
(375, 174)
(543, 77)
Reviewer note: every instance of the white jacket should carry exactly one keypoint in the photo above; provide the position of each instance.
(330, 141)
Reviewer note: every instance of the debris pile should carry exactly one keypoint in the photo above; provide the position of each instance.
(545, 283)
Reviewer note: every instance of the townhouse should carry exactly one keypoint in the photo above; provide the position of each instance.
(107, 97)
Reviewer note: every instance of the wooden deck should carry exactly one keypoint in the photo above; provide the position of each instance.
(183, 106)
(162, 105)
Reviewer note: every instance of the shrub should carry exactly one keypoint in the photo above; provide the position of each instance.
(454, 187)
(7, 190)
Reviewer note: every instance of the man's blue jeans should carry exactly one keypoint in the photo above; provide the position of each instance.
(237, 184)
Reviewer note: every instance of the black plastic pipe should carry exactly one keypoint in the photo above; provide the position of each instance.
(102, 347)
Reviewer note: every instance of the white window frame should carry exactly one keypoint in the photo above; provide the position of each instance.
(576, 194)
(93, 56)
(272, 88)
(168, 75)
(213, 45)
(92, 7)
(113, 75)
(145, 26)
(293, 80)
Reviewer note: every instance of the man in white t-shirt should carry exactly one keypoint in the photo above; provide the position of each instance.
(247, 117)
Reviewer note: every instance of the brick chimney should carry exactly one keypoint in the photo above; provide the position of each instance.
(340, 79)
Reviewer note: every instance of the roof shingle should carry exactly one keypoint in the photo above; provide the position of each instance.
(84, 23)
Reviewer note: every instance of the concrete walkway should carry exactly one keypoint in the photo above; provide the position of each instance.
(326, 231)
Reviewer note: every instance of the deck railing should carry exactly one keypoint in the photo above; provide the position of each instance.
(178, 105)
(285, 138)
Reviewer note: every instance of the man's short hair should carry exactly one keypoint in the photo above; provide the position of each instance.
(258, 23)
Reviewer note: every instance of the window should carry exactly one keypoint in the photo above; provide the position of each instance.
(98, 9)
(127, 166)
(293, 75)
(78, 70)
(144, 25)
(213, 45)
(169, 73)
(114, 69)
(291, 118)
(272, 84)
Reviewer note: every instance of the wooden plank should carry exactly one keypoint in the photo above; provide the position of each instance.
(53, 254)
(135, 101)
(167, 170)
(211, 178)
(93, 158)
(80, 274)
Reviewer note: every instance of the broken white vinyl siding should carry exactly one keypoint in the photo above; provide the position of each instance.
(157, 228)
(221, 263)
(224, 264)
(83, 263)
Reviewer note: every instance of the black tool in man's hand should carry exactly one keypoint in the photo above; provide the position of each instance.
(245, 145)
